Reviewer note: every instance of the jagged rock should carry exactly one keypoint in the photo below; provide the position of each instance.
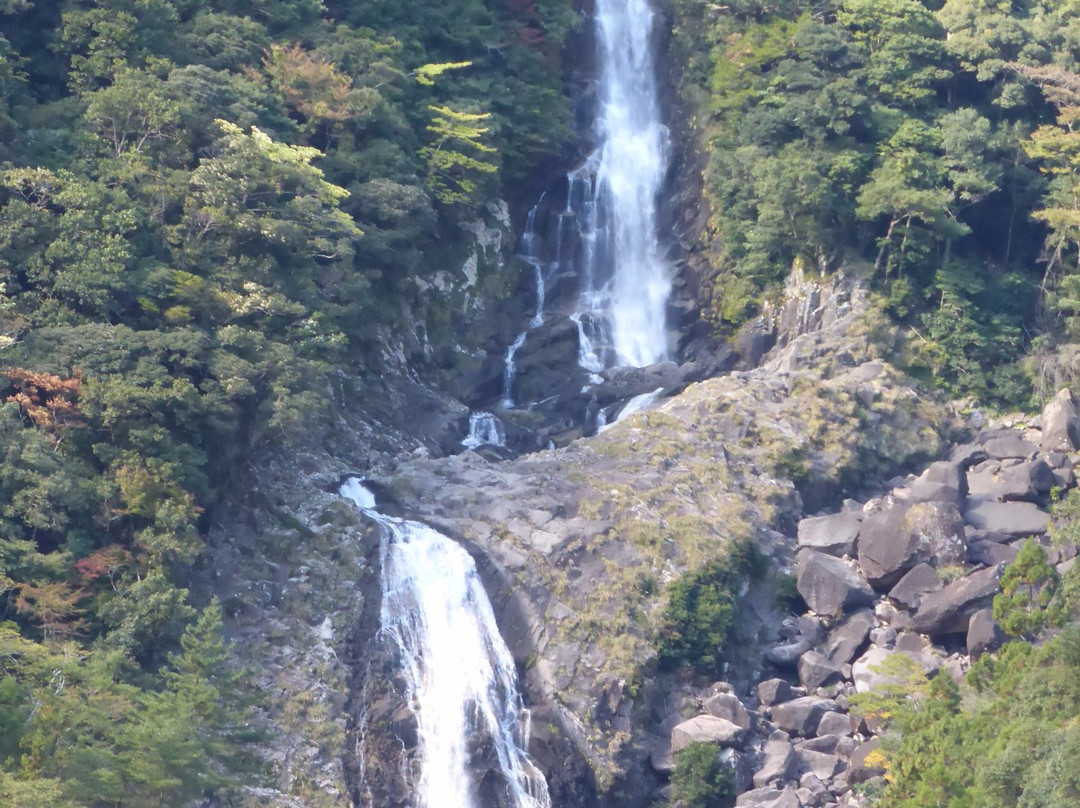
(847, 639)
(801, 716)
(883, 637)
(1012, 518)
(758, 796)
(824, 743)
(835, 534)
(1004, 444)
(828, 585)
(835, 724)
(660, 756)
(774, 691)
(866, 670)
(778, 764)
(948, 610)
(812, 783)
(859, 771)
(728, 707)
(990, 553)
(706, 729)
(943, 481)
(910, 643)
(983, 634)
(894, 541)
(815, 670)
(822, 764)
(787, 656)
(1060, 423)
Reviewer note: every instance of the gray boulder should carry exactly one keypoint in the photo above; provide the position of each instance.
(919, 580)
(706, 729)
(779, 764)
(774, 691)
(847, 639)
(834, 534)
(1025, 481)
(787, 656)
(828, 585)
(990, 554)
(801, 716)
(1004, 444)
(728, 707)
(893, 542)
(943, 481)
(948, 610)
(1060, 423)
(860, 770)
(1012, 518)
(983, 634)
(870, 671)
(815, 670)
(822, 764)
(835, 724)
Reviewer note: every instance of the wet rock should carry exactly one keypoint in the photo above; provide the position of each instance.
(801, 716)
(728, 707)
(870, 671)
(893, 542)
(778, 764)
(774, 691)
(948, 610)
(706, 729)
(828, 585)
(1012, 518)
(815, 670)
(983, 634)
(835, 724)
(847, 639)
(834, 534)
(1060, 423)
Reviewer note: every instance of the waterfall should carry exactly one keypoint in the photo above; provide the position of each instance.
(484, 430)
(510, 370)
(459, 675)
(625, 277)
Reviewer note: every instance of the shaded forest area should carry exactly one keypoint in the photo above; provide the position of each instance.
(205, 207)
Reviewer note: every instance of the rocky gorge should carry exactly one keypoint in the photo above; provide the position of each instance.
(578, 545)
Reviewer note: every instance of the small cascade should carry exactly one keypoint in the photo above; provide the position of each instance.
(510, 371)
(590, 345)
(484, 430)
(459, 675)
(633, 405)
(529, 252)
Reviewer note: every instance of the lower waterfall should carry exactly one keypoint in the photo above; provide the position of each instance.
(461, 685)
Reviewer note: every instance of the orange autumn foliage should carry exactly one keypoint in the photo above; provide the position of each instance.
(49, 401)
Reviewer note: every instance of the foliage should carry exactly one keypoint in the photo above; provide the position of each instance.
(206, 209)
(700, 779)
(931, 140)
(702, 606)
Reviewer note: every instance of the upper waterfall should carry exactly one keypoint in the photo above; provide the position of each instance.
(630, 281)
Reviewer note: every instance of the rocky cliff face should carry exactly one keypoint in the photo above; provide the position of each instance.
(579, 544)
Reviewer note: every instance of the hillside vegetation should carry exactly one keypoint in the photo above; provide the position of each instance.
(206, 207)
(932, 141)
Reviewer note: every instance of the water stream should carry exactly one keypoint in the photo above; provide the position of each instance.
(461, 685)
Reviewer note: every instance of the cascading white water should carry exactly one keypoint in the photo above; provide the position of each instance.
(510, 370)
(459, 674)
(634, 405)
(625, 277)
(484, 430)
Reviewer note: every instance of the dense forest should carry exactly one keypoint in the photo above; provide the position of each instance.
(931, 141)
(205, 206)
(208, 206)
